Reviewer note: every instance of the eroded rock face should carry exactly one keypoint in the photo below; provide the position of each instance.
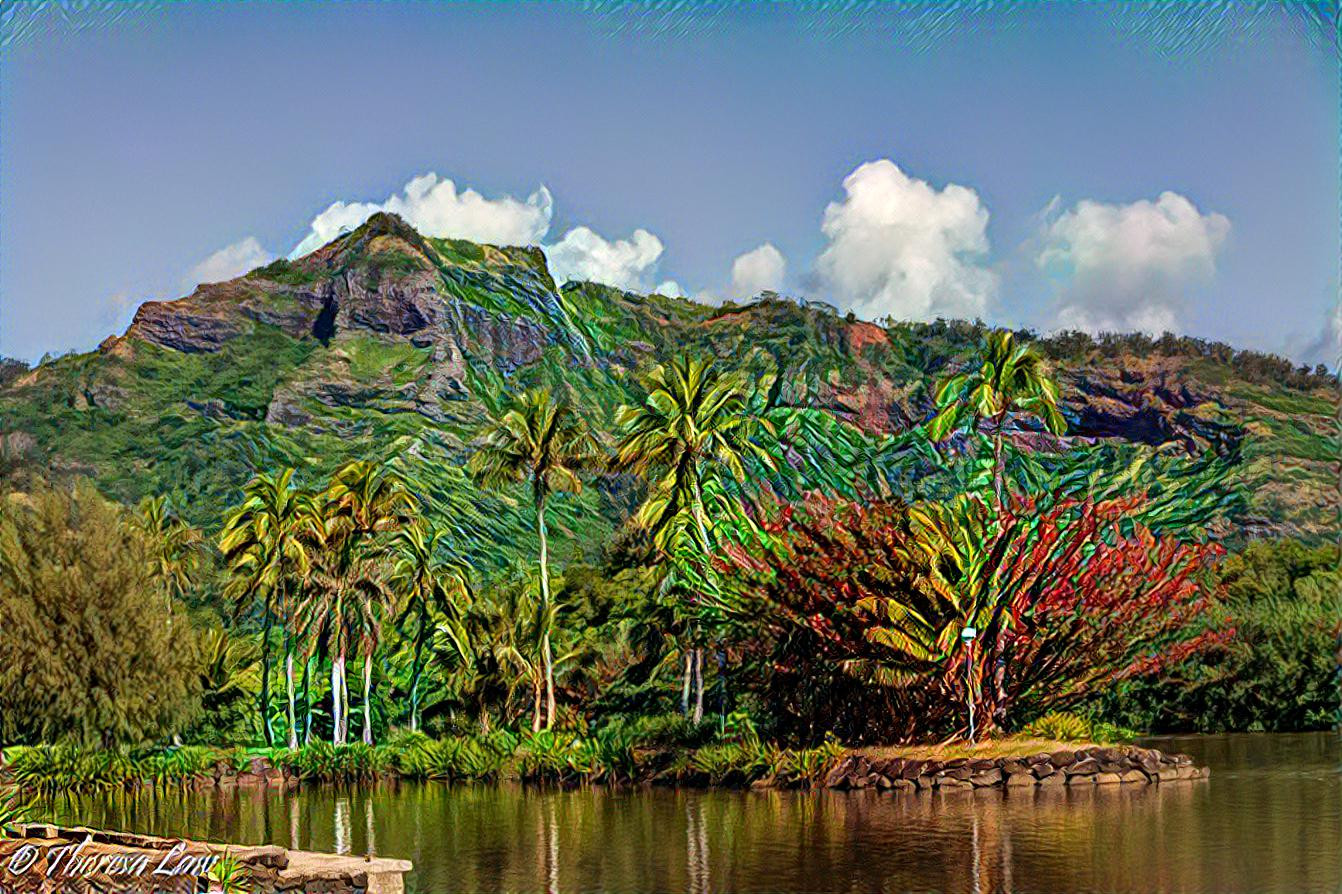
(1149, 407)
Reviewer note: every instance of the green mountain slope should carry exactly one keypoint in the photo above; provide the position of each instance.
(388, 343)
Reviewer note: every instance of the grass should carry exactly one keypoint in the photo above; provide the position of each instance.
(659, 750)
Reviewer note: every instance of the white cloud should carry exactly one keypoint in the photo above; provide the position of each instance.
(1325, 346)
(758, 270)
(433, 206)
(624, 263)
(1122, 268)
(671, 289)
(228, 262)
(900, 247)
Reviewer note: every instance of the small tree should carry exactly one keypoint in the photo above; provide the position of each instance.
(93, 649)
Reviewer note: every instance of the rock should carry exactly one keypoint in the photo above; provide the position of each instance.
(1040, 771)
(1013, 765)
(837, 777)
(1076, 779)
(1167, 774)
(1020, 780)
(1087, 767)
(1131, 776)
(985, 778)
(1107, 778)
(1062, 759)
(961, 772)
(1186, 772)
(927, 781)
(912, 769)
(1056, 779)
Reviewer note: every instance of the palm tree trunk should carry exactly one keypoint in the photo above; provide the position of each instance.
(698, 685)
(337, 684)
(368, 698)
(545, 611)
(685, 687)
(535, 703)
(997, 465)
(417, 666)
(266, 731)
(307, 699)
(289, 684)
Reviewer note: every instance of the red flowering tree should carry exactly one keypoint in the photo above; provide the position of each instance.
(1066, 599)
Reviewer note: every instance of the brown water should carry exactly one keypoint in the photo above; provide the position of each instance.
(1268, 820)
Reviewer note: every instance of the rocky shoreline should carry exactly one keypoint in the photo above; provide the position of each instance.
(1094, 765)
(1083, 766)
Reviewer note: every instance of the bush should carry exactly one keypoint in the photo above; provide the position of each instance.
(1276, 673)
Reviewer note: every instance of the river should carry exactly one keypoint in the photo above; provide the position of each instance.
(1268, 820)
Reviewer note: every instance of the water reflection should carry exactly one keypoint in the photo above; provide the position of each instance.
(1269, 819)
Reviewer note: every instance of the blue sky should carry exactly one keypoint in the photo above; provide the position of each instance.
(1041, 166)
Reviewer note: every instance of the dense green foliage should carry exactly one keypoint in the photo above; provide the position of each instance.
(520, 520)
(94, 647)
(1278, 672)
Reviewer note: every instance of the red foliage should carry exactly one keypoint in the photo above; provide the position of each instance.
(1074, 598)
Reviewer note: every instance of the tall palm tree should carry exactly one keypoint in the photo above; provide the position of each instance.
(540, 440)
(1007, 377)
(427, 584)
(695, 423)
(363, 502)
(264, 545)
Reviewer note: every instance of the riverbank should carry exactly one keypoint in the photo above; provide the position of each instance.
(564, 759)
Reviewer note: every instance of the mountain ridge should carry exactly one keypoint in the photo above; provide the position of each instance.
(385, 336)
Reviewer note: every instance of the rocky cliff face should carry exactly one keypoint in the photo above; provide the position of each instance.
(385, 333)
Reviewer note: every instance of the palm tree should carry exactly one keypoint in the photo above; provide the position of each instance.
(349, 596)
(428, 585)
(694, 422)
(173, 544)
(1008, 377)
(264, 546)
(541, 440)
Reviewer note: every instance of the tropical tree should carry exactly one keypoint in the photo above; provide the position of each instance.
(1068, 599)
(428, 585)
(694, 424)
(265, 545)
(349, 596)
(540, 440)
(85, 652)
(173, 544)
(1007, 377)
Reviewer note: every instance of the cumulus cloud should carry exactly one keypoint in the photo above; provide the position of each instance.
(228, 262)
(758, 270)
(624, 263)
(1122, 268)
(435, 207)
(898, 246)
